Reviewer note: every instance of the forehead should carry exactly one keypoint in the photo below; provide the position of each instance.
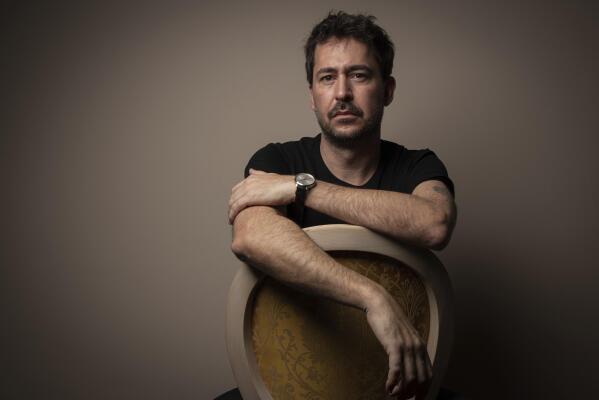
(338, 53)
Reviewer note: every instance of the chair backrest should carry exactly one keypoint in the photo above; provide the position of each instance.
(284, 344)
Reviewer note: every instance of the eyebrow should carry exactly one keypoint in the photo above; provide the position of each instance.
(351, 68)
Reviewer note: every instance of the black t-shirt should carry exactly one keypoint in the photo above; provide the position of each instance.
(399, 170)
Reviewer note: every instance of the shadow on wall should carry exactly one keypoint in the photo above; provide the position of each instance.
(498, 331)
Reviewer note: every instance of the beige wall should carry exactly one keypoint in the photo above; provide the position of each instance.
(124, 127)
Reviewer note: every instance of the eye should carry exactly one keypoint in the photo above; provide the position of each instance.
(359, 76)
(326, 78)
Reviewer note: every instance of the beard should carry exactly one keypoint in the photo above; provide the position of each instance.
(355, 137)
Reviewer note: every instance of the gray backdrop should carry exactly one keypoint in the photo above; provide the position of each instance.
(124, 126)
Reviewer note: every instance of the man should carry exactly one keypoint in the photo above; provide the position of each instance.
(346, 174)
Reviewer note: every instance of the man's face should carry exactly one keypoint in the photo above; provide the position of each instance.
(348, 93)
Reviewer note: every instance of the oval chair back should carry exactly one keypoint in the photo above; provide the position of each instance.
(284, 344)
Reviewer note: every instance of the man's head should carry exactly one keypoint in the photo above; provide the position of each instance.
(348, 64)
(359, 27)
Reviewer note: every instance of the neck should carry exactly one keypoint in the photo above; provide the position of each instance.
(354, 165)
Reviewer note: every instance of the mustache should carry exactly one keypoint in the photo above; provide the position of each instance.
(344, 106)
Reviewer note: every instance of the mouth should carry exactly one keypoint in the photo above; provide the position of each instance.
(344, 114)
(344, 110)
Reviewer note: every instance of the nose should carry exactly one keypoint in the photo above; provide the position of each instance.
(343, 89)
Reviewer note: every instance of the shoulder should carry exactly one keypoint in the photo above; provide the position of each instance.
(420, 156)
(402, 157)
(392, 148)
(278, 157)
(425, 166)
(409, 158)
(418, 165)
(305, 143)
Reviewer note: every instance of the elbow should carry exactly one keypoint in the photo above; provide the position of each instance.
(438, 234)
(240, 243)
(240, 246)
(251, 232)
(438, 239)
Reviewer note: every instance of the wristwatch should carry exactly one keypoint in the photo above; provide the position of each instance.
(303, 183)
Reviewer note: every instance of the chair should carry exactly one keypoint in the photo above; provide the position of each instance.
(284, 344)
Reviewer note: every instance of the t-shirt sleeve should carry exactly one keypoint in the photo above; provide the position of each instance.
(427, 166)
(268, 159)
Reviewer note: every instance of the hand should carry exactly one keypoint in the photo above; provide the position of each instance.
(410, 368)
(261, 189)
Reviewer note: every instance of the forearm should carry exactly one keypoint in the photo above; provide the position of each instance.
(279, 248)
(402, 216)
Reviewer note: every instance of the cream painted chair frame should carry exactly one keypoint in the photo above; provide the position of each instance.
(342, 237)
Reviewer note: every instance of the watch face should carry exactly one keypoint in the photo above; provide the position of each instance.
(304, 179)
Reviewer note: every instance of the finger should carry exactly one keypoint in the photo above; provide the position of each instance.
(421, 356)
(237, 186)
(236, 208)
(394, 372)
(244, 199)
(394, 376)
(233, 214)
(424, 387)
(423, 378)
(409, 370)
(429, 369)
(425, 371)
(234, 198)
(427, 364)
(229, 211)
(256, 172)
(242, 189)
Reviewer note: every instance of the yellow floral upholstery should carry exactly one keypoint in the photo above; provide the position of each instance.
(308, 347)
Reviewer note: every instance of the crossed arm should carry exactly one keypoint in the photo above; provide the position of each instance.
(268, 240)
(424, 218)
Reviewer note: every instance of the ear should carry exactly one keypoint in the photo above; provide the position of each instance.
(312, 98)
(389, 90)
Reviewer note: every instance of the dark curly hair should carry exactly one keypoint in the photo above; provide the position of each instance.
(360, 27)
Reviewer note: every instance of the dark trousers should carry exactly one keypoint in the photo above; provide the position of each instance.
(444, 394)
